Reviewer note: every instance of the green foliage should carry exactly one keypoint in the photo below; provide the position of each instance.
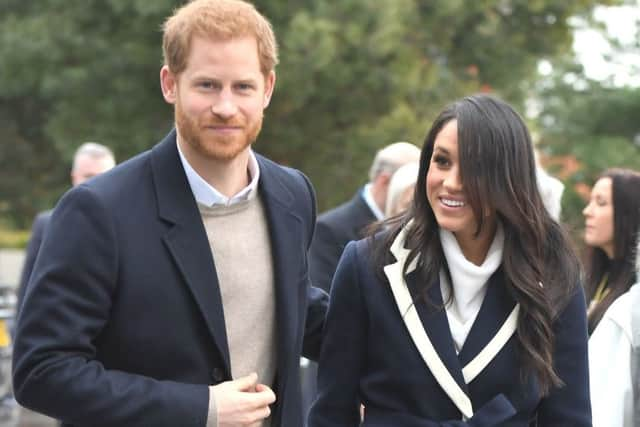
(354, 76)
(592, 122)
(357, 75)
(14, 239)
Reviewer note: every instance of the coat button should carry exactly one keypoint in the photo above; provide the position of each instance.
(217, 375)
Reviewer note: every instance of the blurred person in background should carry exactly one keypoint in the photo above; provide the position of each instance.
(401, 189)
(338, 226)
(614, 360)
(89, 160)
(467, 310)
(612, 218)
(551, 189)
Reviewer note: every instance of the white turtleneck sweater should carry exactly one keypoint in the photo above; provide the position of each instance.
(469, 283)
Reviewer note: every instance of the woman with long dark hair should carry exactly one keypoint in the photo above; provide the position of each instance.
(612, 218)
(467, 309)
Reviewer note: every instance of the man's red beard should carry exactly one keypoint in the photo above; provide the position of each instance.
(215, 147)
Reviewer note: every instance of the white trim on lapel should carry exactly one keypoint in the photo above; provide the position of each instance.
(421, 340)
(473, 368)
(416, 330)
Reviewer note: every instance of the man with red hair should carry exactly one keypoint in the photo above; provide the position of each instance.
(180, 293)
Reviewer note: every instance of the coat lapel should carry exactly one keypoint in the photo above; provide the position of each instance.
(287, 247)
(495, 324)
(435, 323)
(186, 239)
(362, 216)
(429, 330)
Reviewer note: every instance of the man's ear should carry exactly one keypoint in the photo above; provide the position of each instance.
(269, 85)
(169, 84)
(383, 179)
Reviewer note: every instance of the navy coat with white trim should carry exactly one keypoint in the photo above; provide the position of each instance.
(369, 356)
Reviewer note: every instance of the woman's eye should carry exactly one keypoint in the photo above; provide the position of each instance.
(441, 160)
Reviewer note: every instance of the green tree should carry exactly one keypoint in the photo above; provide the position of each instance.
(592, 123)
(354, 76)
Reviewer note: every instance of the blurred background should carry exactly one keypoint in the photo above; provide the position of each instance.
(354, 76)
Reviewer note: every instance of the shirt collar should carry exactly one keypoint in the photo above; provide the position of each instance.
(368, 199)
(207, 195)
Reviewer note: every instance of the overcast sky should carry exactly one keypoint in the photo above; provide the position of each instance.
(591, 47)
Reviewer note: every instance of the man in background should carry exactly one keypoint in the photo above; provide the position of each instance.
(336, 227)
(89, 160)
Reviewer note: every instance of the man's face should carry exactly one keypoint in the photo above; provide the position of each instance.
(219, 98)
(86, 167)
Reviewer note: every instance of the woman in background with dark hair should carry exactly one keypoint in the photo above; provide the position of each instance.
(612, 219)
(466, 310)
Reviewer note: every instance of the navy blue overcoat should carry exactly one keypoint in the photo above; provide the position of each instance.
(398, 358)
(122, 324)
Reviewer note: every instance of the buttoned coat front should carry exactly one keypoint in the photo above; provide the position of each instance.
(123, 324)
(409, 375)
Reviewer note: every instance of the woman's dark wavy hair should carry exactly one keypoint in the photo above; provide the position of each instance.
(498, 172)
(625, 195)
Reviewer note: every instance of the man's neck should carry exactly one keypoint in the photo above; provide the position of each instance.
(379, 196)
(226, 176)
(371, 203)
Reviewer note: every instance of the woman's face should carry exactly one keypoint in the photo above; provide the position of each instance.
(598, 217)
(445, 192)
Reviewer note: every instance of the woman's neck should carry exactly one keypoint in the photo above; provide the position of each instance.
(475, 248)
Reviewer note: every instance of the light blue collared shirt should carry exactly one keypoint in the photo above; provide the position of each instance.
(368, 199)
(207, 195)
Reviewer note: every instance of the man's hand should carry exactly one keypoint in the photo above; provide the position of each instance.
(242, 402)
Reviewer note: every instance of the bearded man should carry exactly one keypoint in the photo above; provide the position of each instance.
(174, 290)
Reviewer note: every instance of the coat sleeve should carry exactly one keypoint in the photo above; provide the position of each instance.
(324, 254)
(316, 299)
(55, 366)
(37, 234)
(342, 356)
(569, 404)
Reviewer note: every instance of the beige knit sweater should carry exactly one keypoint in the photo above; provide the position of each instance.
(241, 248)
